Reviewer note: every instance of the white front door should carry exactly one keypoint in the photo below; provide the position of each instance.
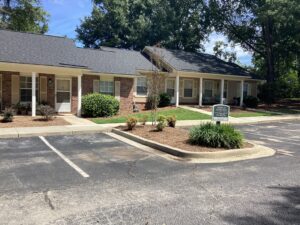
(170, 88)
(63, 95)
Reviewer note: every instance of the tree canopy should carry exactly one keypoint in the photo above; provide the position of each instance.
(176, 24)
(23, 15)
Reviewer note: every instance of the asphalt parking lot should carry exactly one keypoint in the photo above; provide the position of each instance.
(96, 179)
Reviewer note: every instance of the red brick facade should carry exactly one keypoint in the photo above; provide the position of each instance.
(87, 83)
(50, 89)
(126, 94)
(74, 99)
(6, 88)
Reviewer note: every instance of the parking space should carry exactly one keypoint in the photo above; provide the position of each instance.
(58, 161)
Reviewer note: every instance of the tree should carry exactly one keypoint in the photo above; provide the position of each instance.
(134, 24)
(268, 28)
(221, 52)
(23, 15)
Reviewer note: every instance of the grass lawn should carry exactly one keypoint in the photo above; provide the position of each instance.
(181, 114)
(252, 114)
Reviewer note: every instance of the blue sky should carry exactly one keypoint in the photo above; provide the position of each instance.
(65, 15)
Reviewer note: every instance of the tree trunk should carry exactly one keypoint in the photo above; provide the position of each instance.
(267, 32)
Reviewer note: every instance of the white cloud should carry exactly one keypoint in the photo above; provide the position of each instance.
(242, 55)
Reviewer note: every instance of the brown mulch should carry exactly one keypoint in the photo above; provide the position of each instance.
(28, 121)
(174, 137)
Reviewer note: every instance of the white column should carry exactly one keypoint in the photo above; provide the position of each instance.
(242, 93)
(177, 90)
(79, 94)
(222, 91)
(200, 91)
(33, 99)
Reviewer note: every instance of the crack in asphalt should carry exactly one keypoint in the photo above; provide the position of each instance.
(48, 200)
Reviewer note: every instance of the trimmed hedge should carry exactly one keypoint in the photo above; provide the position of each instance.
(99, 105)
(164, 100)
(251, 101)
(212, 135)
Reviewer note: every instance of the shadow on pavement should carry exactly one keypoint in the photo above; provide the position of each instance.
(286, 211)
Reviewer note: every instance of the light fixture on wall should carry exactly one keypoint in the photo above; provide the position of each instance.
(50, 82)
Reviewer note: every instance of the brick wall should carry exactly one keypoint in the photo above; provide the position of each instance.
(74, 99)
(87, 83)
(6, 88)
(126, 94)
(50, 89)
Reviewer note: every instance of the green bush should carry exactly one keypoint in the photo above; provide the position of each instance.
(8, 115)
(46, 111)
(171, 121)
(143, 120)
(211, 135)
(251, 101)
(164, 100)
(131, 123)
(152, 102)
(99, 105)
(161, 123)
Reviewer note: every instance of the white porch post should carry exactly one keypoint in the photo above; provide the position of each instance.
(242, 93)
(177, 91)
(79, 94)
(222, 91)
(33, 99)
(200, 91)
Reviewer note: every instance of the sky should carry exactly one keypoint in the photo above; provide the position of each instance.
(65, 15)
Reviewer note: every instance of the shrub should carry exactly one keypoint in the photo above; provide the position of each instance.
(251, 101)
(152, 102)
(99, 105)
(8, 115)
(131, 123)
(144, 119)
(171, 121)
(164, 100)
(211, 135)
(161, 123)
(22, 109)
(46, 112)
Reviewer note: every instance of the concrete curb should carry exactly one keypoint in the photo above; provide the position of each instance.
(51, 131)
(257, 151)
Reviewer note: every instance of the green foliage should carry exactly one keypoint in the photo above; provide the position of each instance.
(152, 102)
(164, 100)
(22, 108)
(251, 101)
(8, 115)
(211, 135)
(99, 105)
(143, 119)
(24, 15)
(135, 24)
(161, 123)
(46, 111)
(171, 121)
(131, 123)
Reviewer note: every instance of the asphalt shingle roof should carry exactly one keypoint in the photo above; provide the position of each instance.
(198, 62)
(27, 48)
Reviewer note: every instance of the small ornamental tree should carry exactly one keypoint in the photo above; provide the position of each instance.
(155, 80)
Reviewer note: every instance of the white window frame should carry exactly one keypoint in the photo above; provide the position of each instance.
(184, 80)
(166, 88)
(37, 88)
(136, 86)
(106, 82)
(247, 89)
(212, 88)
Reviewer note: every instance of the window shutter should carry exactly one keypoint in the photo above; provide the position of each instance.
(117, 90)
(43, 89)
(195, 88)
(96, 86)
(15, 89)
(181, 88)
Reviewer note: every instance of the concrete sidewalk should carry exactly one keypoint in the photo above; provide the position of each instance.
(83, 126)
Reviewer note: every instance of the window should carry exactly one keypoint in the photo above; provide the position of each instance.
(26, 89)
(208, 89)
(171, 87)
(141, 86)
(188, 88)
(107, 87)
(246, 89)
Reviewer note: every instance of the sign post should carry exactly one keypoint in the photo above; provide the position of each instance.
(220, 113)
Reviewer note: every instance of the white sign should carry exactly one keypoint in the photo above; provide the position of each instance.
(220, 112)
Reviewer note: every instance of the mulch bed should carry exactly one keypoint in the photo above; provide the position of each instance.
(28, 121)
(174, 137)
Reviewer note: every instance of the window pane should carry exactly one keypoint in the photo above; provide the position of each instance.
(63, 85)
(26, 95)
(141, 86)
(208, 93)
(63, 97)
(106, 87)
(188, 84)
(188, 92)
(171, 92)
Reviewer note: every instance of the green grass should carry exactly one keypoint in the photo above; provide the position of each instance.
(252, 114)
(181, 114)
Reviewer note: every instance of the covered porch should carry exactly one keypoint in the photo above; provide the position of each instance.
(204, 90)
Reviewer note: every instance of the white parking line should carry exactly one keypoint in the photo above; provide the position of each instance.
(68, 161)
